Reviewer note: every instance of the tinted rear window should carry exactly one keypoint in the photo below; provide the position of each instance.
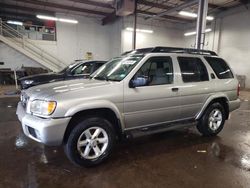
(192, 69)
(220, 67)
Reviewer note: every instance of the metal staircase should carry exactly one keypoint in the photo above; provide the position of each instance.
(21, 43)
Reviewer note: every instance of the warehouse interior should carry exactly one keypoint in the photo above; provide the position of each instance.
(49, 35)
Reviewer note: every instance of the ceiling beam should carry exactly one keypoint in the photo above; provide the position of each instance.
(152, 4)
(171, 18)
(18, 16)
(175, 9)
(112, 17)
(94, 3)
(28, 9)
(213, 6)
(63, 7)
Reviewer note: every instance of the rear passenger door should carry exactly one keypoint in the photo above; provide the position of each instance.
(195, 85)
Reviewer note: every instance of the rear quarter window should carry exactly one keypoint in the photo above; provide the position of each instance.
(220, 67)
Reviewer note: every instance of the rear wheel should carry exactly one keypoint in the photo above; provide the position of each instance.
(212, 121)
(90, 142)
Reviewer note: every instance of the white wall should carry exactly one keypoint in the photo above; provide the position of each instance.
(14, 59)
(160, 37)
(234, 43)
(164, 34)
(231, 40)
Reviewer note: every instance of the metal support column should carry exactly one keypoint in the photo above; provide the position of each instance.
(135, 26)
(1, 27)
(201, 24)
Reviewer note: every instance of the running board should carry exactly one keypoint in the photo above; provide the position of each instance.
(143, 131)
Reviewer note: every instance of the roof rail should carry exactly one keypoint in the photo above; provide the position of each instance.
(182, 50)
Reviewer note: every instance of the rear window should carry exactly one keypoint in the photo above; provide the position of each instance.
(192, 69)
(220, 67)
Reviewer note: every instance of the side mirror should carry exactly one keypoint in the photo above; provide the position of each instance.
(138, 82)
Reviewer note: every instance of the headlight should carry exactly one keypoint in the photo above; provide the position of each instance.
(28, 82)
(43, 108)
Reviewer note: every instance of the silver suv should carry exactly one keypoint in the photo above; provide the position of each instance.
(142, 92)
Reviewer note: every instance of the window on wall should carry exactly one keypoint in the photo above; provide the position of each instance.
(193, 69)
(220, 67)
(158, 71)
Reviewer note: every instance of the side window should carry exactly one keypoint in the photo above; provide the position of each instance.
(98, 65)
(82, 69)
(157, 70)
(193, 69)
(220, 67)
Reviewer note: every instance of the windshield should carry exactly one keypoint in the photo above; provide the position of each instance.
(117, 69)
(68, 67)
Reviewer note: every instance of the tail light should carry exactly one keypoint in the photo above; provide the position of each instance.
(238, 90)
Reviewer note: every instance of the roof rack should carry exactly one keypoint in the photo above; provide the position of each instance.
(182, 50)
(160, 49)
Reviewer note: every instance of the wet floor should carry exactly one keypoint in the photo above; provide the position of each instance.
(173, 159)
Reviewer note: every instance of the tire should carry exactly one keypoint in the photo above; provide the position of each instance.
(211, 124)
(83, 149)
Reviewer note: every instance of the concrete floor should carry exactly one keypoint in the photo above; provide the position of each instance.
(174, 159)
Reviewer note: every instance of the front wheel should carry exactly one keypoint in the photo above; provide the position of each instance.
(90, 142)
(212, 121)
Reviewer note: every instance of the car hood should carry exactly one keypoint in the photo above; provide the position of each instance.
(40, 76)
(60, 88)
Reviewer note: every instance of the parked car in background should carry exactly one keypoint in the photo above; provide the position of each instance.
(144, 92)
(79, 69)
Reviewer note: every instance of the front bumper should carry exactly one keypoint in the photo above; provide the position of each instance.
(46, 131)
(233, 105)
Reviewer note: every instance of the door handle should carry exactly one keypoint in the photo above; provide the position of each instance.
(175, 89)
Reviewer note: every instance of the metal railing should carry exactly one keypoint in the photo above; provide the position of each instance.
(22, 41)
(36, 32)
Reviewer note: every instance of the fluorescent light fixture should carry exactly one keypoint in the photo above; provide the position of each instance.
(14, 22)
(194, 15)
(43, 17)
(67, 20)
(194, 32)
(188, 14)
(140, 30)
(210, 18)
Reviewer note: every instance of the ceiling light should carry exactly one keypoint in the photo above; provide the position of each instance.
(14, 22)
(43, 17)
(140, 30)
(188, 14)
(47, 17)
(194, 15)
(210, 18)
(68, 20)
(194, 32)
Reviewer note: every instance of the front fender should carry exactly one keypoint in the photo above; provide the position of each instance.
(208, 101)
(95, 105)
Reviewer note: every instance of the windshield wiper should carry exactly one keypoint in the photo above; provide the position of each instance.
(101, 78)
(104, 78)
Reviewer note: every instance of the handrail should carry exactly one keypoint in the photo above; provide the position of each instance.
(21, 39)
(42, 53)
(10, 28)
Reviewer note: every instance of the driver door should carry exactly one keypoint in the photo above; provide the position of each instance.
(157, 101)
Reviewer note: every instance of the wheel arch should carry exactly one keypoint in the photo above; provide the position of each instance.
(222, 99)
(106, 113)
